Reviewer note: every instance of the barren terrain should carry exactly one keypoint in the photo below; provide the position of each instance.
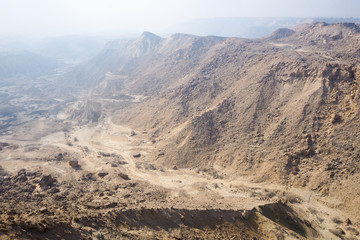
(110, 182)
(189, 138)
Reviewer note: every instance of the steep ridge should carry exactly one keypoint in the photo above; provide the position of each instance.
(111, 58)
(279, 109)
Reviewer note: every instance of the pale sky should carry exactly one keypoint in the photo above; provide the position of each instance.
(63, 17)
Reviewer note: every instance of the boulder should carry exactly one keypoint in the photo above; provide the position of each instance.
(3, 144)
(124, 176)
(20, 176)
(337, 232)
(348, 222)
(74, 164)
(59, 157)
(336, 118)
(54, 190)
(102, 174)
(88, 177)
(47, 182)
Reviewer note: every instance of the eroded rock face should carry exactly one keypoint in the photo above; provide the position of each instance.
(86, 112)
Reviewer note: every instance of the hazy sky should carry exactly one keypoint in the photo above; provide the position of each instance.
(62, 17)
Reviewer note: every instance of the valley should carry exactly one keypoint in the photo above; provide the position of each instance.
(188, 137)
(109, 180)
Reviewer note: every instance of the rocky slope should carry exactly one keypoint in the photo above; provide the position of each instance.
(65, 210)
(281, 109)
(193, 137)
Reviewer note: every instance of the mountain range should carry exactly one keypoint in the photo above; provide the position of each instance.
(283, 108)
(185, 137)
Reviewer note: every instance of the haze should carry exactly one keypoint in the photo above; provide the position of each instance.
(64, 17)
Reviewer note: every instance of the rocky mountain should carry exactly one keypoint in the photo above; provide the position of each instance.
(189, 137)
(284, 108)
(111, 58)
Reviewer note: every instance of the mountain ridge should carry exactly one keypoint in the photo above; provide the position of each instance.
(189, 137)
(270, 109)
(248, 27)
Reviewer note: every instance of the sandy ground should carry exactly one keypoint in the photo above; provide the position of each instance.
(98, 147)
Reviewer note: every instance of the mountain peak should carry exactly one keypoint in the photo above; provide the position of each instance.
(150, 35)
(281, 33)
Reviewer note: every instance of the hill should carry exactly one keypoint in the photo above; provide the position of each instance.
(189, 137)
(284, 108)
(25, 63)
(247, 27)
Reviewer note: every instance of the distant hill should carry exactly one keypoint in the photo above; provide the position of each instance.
(113, 56)
(70, 49)
(247, 27)
(25, 63)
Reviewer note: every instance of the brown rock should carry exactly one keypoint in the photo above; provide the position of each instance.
(353, 231)
(54, 190)
(102, 174)
(336, 119)
(124, 176)
(348, 222)
(21, 176)
(3, 144)
(60, 157)
(88, 177)
(43, 210)
(337, 232)
(246, 214)
(74, 164)
(47, 182)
